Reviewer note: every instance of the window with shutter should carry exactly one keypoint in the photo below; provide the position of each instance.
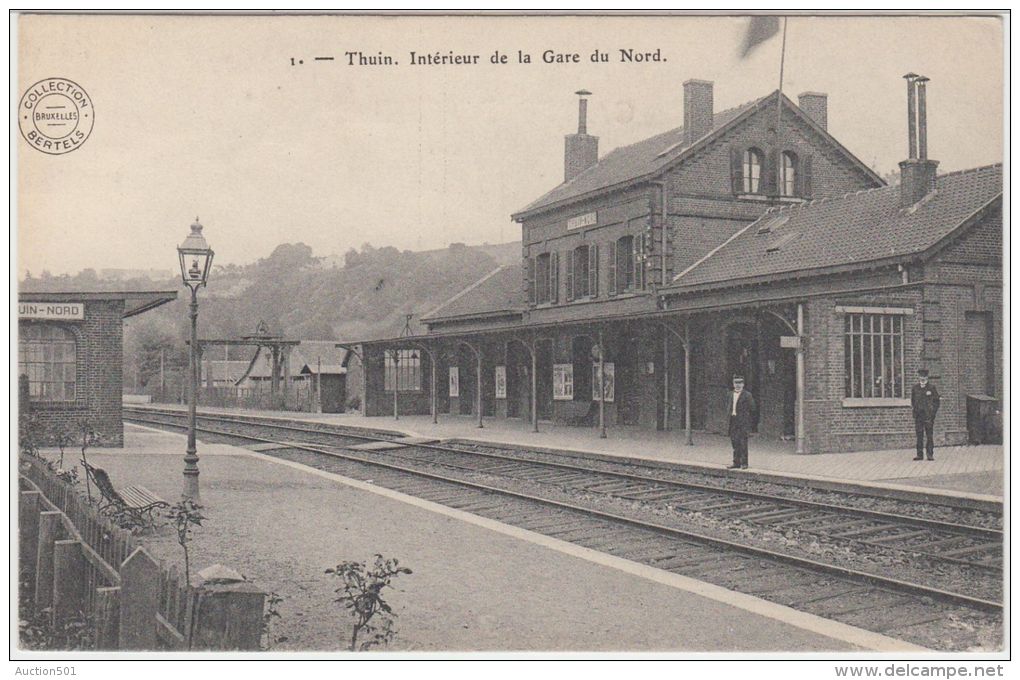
(789, 182)
(530, 280)
(737, 170)
(570, 275)
(554, 277)
(611, 285)
(581, 288)
(639, 262)
(593, 270)
(805, 176)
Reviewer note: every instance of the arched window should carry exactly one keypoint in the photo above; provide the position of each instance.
(788, 174)
(47, 354)
(753, 160)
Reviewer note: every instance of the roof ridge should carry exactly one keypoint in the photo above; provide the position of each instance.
(463, 292)
(975, 169)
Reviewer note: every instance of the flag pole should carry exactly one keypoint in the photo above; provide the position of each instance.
(779, 94)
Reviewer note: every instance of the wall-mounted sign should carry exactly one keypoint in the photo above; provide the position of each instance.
(585, 220)
(610, 385)
(789, 341)
(563, 382)
(501, 382)
(51, 310)
(454, 381)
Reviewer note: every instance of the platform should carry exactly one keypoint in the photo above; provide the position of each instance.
(968, 472)
(476, 584)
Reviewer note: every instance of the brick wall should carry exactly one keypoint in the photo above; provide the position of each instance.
(831, 426)
(98, 389)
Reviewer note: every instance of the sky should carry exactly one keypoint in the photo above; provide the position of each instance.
(208, 116)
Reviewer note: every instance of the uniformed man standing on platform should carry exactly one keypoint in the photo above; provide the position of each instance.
(924, 399)
(743, 412)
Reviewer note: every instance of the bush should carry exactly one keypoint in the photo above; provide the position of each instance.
(361, 594)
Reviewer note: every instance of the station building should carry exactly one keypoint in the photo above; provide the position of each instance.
(748, 240)
(71, 358)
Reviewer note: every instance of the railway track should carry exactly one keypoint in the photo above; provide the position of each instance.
(642, 517)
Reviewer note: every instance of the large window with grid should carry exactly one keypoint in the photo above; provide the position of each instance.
(47, 354)
(403, 370)
(874, 356)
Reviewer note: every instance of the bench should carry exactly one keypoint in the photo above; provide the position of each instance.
(133, 506)
(578, 413)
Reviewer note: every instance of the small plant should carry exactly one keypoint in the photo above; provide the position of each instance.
(270, 615)
(29, 429)
(38, 632)
(65, 436)
(185, 515)
(87, 436)
(361, 594)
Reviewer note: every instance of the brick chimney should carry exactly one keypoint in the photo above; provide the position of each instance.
(698, 109)
(917, 173)
(816, 106)
(581, 151)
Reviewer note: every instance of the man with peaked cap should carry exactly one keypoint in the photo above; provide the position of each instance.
(924, 399)
(743, 415)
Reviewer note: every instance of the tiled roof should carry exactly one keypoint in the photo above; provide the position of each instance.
(632, 161)
(854, 229)
(498, 291)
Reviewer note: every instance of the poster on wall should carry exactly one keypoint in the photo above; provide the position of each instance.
(501, 382)
(563, 382)
(610, 381)
(454, 381)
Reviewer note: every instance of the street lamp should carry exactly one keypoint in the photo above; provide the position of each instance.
(196, 260)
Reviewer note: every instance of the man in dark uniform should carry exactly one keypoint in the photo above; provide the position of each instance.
(924, 399)
(743, 415)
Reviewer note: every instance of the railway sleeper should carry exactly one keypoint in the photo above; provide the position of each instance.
(989, 547)
(898, 537)
(775, 516)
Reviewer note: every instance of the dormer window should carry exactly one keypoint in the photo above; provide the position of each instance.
(788, 174)
(753, 161)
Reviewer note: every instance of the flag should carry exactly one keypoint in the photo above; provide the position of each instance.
(760, 29)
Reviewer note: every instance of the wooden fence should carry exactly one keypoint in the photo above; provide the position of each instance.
(78, 566)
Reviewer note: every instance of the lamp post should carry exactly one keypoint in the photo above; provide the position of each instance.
(196, 259)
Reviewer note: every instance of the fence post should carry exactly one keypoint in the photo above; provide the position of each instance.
(28, 533)
(139, 600)
(69, 582)
(226, 611)
(107, 614)
(51, 529)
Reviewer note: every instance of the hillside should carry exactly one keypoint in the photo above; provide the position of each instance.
(298, 295)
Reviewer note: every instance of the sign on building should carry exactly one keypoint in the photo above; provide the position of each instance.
(454, 381)
(563, 382)
(501, 382)
(585, 220)
(610, 386)
(51, 310)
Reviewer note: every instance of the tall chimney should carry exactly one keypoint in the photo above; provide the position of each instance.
(922, 119)
(581, 150)
(816, 106)
(911, 115)
(917, 173)
(698, 110)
